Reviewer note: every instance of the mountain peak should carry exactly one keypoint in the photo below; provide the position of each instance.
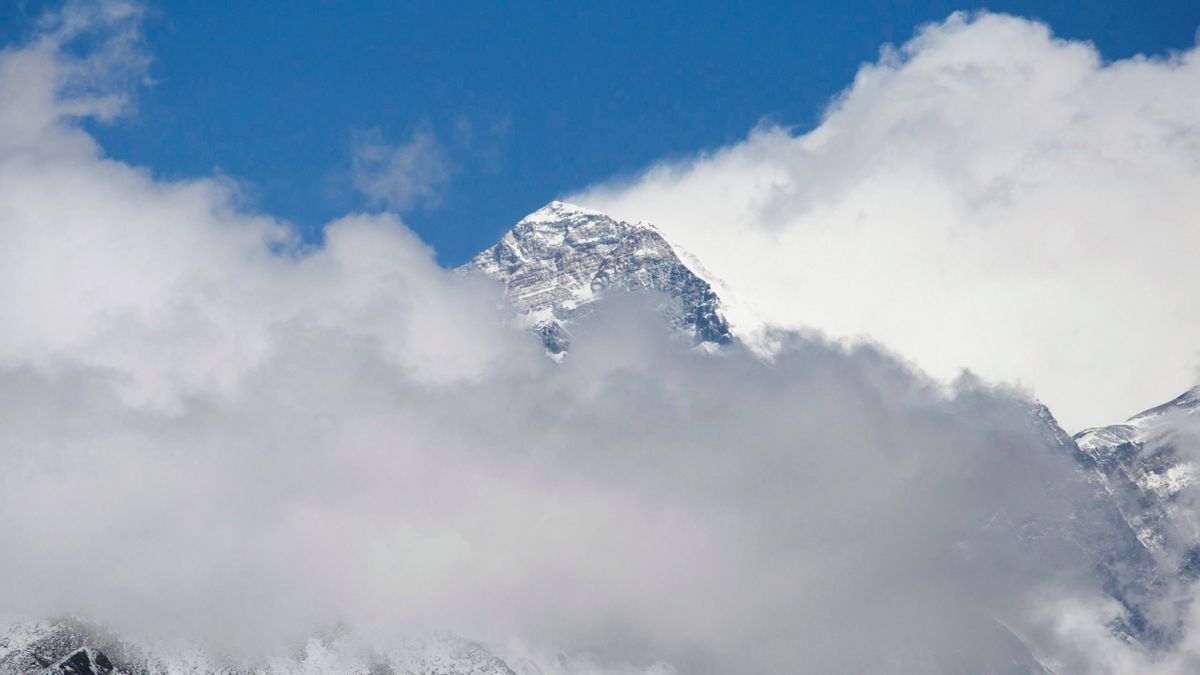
(557, 211)
(563, 257)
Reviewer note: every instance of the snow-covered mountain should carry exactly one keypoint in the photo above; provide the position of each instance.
(1148, 463)
(561, 258)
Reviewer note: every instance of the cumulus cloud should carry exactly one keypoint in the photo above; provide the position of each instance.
(399, 175)
(210, 430)
(985, 196)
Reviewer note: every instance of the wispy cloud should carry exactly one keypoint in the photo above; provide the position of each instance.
(402, 175)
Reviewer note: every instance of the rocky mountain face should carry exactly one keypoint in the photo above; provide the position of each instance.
(1098, 529)
(562, 258)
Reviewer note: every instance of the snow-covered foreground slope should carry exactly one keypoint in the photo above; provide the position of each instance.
(72, 647)
(562, 258)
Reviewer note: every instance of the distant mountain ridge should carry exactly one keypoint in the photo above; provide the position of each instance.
(1149, 465)
(561, 258)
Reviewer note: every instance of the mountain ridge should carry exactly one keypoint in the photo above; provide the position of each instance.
(1146, 463)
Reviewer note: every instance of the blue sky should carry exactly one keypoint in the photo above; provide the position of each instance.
(527, 101)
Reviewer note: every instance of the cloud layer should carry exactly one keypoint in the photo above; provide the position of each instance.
(210, 430)
(985, 196)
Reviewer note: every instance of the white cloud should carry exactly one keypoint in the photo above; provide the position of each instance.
(987, 197)
(399, 176)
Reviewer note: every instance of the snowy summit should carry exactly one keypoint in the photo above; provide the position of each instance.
(563, 257)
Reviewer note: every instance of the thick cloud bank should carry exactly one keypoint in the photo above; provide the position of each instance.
(211, 431)
(985, 196)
